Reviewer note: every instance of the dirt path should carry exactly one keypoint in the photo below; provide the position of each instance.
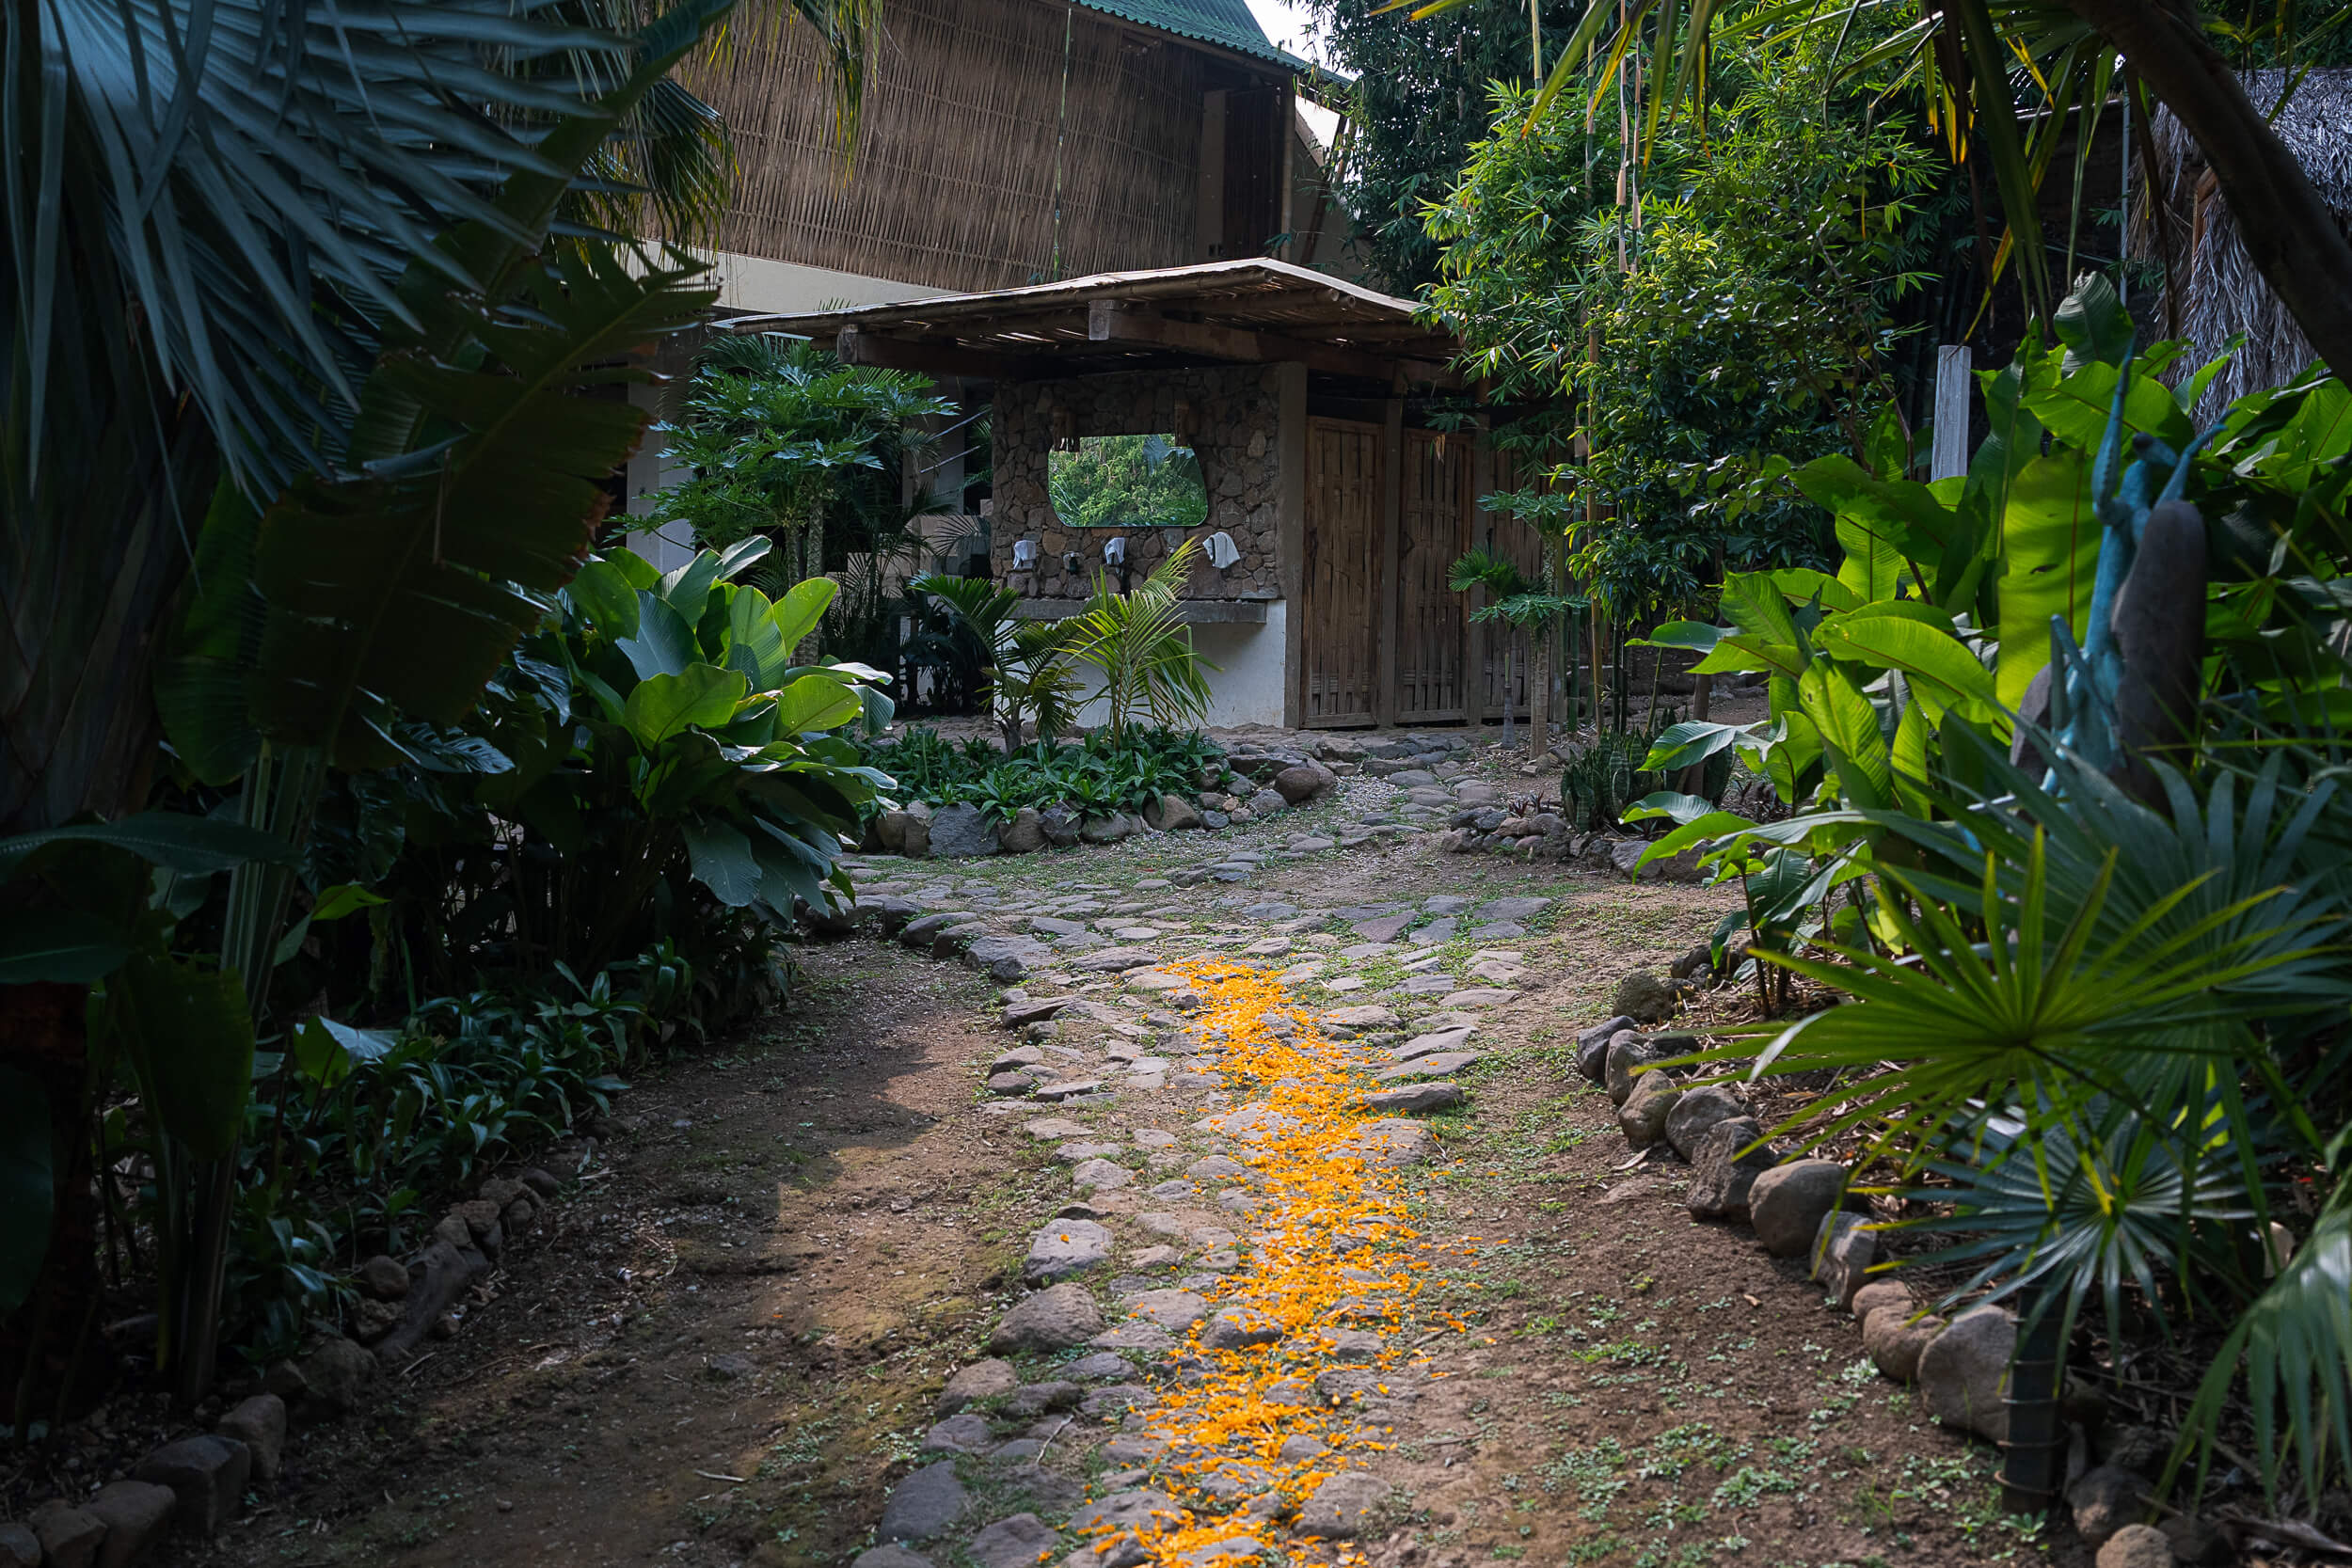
(732, 1349)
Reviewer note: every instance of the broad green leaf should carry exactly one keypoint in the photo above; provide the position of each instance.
(661, 705)
(69, 946)
(342, 899)
(816, 703)
(742, 555)
(1668, 804)
(754, 645)
(685, 589)
(1692, 740)
(1747, 651)
(1941, 668)
(1804, 584)
(200, 670)
(1777, 889)
(189, 1038)
(798, 611)
(1696, 635)
(191, 846)
(2076, 410)
(1715, 824)
(27, 1184)
(2050, 558)
(635, 568)
(326, 1052)
(604, 594)
(1849, 726)
(664, 642)
(1908, 759)
(2094, 325)
(722, 859)
(1753, 602)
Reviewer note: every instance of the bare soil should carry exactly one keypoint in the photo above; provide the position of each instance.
(725, 1348)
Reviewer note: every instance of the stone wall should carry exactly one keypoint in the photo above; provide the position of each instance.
(1234, 416)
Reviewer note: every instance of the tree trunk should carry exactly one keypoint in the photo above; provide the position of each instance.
(2290, 234)
(1539, 694)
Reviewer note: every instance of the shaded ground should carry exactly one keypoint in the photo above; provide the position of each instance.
(728, 1351)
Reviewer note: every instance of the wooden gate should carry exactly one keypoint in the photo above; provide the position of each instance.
(1342, 580)
(1432, 630)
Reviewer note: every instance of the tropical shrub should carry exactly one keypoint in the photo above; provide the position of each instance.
(2095, 1019)
(1109, 771)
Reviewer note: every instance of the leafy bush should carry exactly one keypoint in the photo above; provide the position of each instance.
(1104, 773)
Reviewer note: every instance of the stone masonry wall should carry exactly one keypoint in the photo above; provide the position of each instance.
(1232, 412)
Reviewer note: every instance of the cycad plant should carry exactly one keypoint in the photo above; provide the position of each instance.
(2111, 1029)
(1140, 643)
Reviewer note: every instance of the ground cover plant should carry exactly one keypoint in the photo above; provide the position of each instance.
(1105, 772)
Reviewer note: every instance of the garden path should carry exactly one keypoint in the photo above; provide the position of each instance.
(1507, 1346)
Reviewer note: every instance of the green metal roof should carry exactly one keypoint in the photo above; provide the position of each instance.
(1226, 23)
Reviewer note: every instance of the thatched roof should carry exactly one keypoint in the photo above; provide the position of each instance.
(1254, 309)
(2220, 292)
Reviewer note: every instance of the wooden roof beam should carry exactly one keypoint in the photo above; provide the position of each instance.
(856, 347)
(1114, 321)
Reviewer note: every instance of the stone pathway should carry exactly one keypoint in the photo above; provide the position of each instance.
(1262, 1214)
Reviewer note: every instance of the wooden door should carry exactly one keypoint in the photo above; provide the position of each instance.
(1432, 629)
(1342, 573)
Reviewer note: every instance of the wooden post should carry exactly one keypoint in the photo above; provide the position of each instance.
(1391, 559)
(1486, 638)
(1948, 457)
(1209, 207)
(1290, 532)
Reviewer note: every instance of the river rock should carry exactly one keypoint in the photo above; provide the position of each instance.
(1696, 1111)
(1787, 1203)
(1895, 1341)
(337, 1372)
(136, 1513)
(1643, 1117)
(1172, 813)
(207, 1473)
(1053, 1319)
(1024, 834)
(2137, 1546)
(982, 1380)
(1592, 1046)
(1305, 782)
(1415, 1098)
(965, 1433)
(1649, 997)
(1722, 1176)
(1842, 1253)
(925, 1504)
(1964, 1373)
(962, 832)
(1115, 829)
(889, 1554)
(69, 1537)
(1630, 1057)
(384, 1279)
(1066, 1247)
(19, 1546)
(1060, 825)
(1170, 1309)
(1021, 1541)
(1344, 1507)
(260, 1424)
(2107, 1497)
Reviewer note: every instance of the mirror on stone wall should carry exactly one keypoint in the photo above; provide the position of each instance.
(1127, 482)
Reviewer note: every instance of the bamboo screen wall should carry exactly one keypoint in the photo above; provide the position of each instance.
(955, 176)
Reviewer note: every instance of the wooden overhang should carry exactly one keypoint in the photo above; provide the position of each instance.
(1255, 310)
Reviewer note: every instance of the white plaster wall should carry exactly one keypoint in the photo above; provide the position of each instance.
(787, 288)
(1248, 689)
